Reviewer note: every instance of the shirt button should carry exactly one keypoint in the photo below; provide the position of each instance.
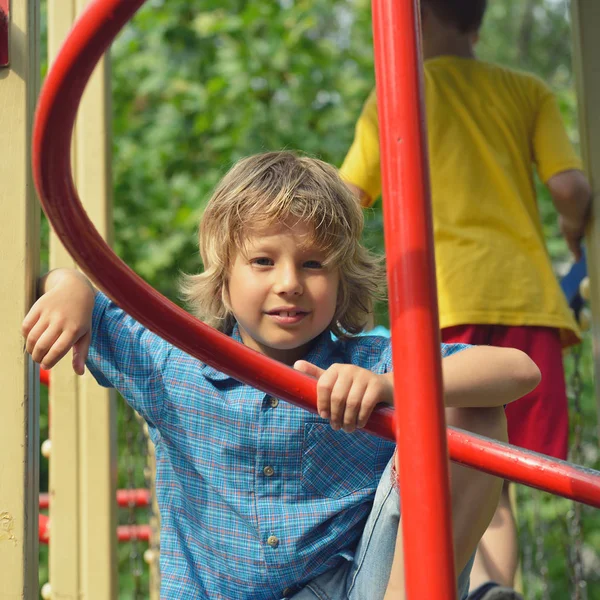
(273, 402)
(269, 471)
(287, 592)
(273, 541)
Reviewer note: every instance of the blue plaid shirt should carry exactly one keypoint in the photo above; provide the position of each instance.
(256, 496)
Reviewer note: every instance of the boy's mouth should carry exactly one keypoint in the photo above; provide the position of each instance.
(287, 316)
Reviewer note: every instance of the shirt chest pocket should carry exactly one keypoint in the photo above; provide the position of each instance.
(336, 464)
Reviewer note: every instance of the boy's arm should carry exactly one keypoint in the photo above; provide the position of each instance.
(122, 353)
(476, 377)
(61, 319)
(486, 376)
(560, 168)
(571, 194)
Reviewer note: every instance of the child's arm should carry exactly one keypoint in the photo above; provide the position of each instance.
(479, 376)
(486, 376)
(61, 319)
(571, 194)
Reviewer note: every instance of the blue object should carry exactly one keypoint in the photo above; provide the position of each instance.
(572, 280)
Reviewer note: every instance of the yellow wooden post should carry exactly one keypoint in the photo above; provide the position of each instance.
(83, 415)
(19, 232)
(586, 24)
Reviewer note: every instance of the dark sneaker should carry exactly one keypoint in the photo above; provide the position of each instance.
(493, 591)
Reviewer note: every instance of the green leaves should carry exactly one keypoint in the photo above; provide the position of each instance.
(197, 86)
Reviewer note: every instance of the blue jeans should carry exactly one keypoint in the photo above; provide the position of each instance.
(367, 576)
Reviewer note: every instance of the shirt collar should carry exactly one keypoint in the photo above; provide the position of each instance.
(320, 351)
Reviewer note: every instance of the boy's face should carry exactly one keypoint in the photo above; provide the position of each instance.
(280, 293)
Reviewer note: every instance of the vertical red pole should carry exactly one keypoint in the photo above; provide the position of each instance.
(420, 424)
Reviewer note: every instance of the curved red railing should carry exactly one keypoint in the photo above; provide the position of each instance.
(59, 99)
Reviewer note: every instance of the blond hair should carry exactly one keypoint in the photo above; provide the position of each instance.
(279, 188)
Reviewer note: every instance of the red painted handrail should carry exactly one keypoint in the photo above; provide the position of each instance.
(90, 37)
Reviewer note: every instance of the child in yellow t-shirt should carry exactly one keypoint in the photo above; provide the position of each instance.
(487, 127)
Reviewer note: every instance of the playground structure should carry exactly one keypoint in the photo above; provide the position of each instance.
(412, 298)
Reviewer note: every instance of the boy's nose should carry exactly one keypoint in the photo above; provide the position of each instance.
(288, 282)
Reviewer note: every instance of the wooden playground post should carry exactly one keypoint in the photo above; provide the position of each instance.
(83, 415)
(19, 232)
(586, 24)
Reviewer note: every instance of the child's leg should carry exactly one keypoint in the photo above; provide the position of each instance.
(502, 533)
(475, 494)
(474, 499)
(539, 422)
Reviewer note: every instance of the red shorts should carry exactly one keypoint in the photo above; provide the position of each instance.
(540, 420)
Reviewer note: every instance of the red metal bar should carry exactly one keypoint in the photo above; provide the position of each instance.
(125, 533)
(4, 33)
(44, 377)
(138, 498)
(43, 529)
(125, 499)
(58, 104)
(128, 533)
(423, 470)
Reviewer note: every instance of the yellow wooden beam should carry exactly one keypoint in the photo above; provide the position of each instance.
(83, 424)
(97, 409)
(586, 24)
(19, 232)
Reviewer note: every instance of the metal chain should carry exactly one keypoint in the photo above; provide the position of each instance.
(575, 555)
(541, 531)
(526, 539)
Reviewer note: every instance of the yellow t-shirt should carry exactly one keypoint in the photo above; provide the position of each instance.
(487, 127)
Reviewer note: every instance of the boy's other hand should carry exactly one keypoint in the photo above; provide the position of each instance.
(347, 394)
(60, 320)
(573, 232)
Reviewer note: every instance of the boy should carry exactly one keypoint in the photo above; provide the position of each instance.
(260, 499)
(486, 125)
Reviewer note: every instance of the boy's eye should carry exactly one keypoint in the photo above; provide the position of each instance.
(262, 261)
(313, 264)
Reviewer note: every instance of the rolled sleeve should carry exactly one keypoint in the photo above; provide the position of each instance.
(450, 349)
(125, 355)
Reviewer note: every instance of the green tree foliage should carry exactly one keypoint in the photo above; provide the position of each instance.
(199, 85)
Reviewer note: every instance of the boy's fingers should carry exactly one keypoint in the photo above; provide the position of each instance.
(340, 392)
(354, 404)
(370, 401)
(325, 386)
(30, 320)
(308, 368)
(80, 353)
(58, 350)
(36, 331)
(43, 345)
